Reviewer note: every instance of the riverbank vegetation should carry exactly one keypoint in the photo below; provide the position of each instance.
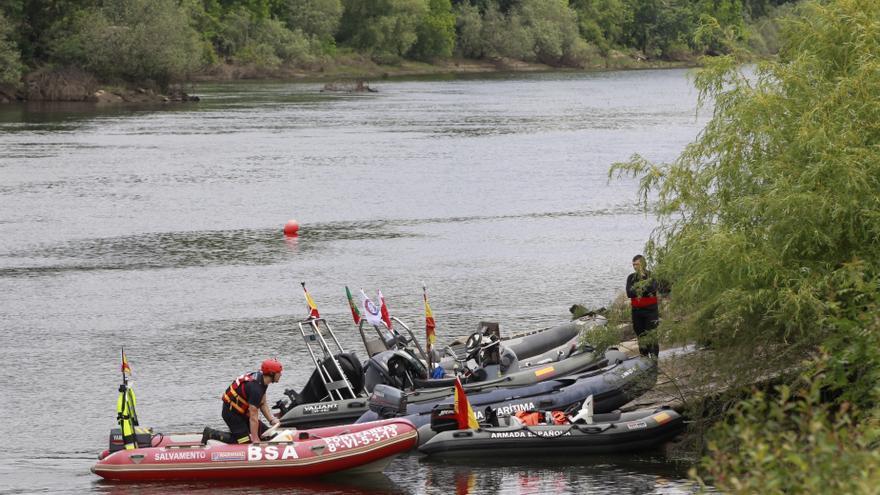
(770, 234)
(160, 42)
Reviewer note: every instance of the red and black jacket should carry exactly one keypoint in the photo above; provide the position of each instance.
(642, 291)
(236, 394)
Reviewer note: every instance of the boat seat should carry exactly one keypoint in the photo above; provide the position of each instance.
(374, 346)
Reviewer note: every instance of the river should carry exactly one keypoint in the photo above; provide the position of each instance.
(159, 229)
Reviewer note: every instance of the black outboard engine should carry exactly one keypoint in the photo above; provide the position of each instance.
(143, 438)
(387, 401)
(315, 391)
(443, 418)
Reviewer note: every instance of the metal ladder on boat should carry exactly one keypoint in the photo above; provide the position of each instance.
(313, 331)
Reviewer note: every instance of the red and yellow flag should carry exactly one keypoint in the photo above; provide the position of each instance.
(313, 309)
(430, 325)
(126, 369)
(463, 411)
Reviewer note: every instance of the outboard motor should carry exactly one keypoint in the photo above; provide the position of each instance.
(387, 401)
(143, 438)
(315, 391)
(443, 418)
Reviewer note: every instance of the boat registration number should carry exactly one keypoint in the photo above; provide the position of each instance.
(361, 438)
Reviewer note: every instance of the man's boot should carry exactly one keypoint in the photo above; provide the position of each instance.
(212, 434)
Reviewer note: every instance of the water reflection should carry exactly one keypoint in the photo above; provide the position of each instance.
(333, 485)
(506, 474)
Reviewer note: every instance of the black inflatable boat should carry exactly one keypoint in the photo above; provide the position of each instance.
(608, 433)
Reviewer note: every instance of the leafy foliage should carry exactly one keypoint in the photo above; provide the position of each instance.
(770, 234)
(435, 35)
(319, 18)
(95, 34)
(382, 27)
(134, 40)
(793, 443)
(10, 57)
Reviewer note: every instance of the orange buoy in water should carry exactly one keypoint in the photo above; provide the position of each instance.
(291, 228)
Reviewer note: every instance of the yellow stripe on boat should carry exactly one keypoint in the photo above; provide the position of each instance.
(544, 371)
(662, 418)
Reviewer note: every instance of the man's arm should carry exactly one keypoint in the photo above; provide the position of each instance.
(630, 290)
(254, 419)
(268, 412)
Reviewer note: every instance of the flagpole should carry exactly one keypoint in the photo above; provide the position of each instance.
(430, 345)
(124, 380)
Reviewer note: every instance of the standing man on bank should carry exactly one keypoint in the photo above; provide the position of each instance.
(641, 288)
(246, 398)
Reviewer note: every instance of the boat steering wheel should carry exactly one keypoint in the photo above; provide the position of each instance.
(473, 345)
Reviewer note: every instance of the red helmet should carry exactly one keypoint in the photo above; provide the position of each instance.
(270, 366)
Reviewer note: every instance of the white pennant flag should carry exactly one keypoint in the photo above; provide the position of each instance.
(371, 312)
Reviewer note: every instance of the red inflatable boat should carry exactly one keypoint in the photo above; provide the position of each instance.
(367, 447)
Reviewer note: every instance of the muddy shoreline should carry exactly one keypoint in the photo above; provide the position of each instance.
(74, 85)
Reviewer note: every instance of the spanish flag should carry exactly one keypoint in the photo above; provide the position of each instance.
(463, 411)
(429, 320)
(126, 369)
(355, 314)
(313, 309)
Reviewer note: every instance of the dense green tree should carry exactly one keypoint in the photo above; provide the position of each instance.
(264, 43)
(319, 18)
(553, 27)
(10, 57)
(601, 22)
(469, 31)
(436, 33)
(384, 28)
(659, 26)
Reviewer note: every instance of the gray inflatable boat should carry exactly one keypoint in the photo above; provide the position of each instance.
(608, 433)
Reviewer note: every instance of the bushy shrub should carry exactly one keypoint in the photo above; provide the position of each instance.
(135, 40)
(264, 43)
(793, 442)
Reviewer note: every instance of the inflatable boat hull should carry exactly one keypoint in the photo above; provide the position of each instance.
(314, 453)
(616, 433)
(611, 388)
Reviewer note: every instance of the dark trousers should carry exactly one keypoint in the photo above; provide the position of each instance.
(644, 321)
(239, 425)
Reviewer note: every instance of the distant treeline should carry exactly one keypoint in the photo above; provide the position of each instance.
(169, 40)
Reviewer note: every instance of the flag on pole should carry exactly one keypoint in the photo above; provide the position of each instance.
(430, 325)
(383, 308)
(313, 309)
(354, 310)
(463, 411)
(371, 311)
(126, 369)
